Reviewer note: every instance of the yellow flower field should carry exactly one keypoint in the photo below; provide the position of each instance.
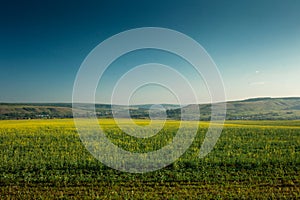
(252, 159)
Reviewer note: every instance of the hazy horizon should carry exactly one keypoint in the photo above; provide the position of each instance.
(70, 102)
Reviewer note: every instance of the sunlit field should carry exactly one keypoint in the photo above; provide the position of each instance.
(252, 159)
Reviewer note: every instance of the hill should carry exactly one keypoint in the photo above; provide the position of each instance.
(256, 109)
(249, 109)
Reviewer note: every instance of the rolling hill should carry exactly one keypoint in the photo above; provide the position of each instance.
(249, 109)
(256, 109)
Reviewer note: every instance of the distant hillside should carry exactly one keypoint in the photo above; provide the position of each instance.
(25, 111)
(255, 109)
(64, 110)
(250, 109)
(264, 108)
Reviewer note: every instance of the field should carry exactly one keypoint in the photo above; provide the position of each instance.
(45, 159)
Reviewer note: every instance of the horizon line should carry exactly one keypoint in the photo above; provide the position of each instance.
(99, 103)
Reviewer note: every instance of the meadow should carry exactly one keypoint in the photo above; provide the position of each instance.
(45, 159)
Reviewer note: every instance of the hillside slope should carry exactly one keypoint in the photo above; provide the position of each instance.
(257, 109)
(250, 109)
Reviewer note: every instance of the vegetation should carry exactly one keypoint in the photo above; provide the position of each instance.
(252, 159)
(250, 109)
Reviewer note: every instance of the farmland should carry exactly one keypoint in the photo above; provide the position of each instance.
(252, 159)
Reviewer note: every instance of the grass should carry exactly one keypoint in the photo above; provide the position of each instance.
(45, 159)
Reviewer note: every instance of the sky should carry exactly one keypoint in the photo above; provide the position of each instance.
(254, 43)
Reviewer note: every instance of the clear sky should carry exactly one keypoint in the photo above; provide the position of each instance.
(254, 43)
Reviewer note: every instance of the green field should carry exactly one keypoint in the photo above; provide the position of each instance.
(45, 159)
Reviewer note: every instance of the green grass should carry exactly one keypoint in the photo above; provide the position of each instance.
(45, 159)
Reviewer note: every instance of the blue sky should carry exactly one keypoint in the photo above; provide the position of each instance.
(255, 44)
